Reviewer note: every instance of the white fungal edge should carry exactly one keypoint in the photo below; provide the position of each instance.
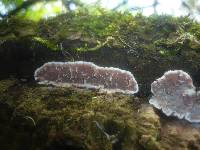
(88, 85)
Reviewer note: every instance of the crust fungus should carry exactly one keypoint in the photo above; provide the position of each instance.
(175, 94)
(87, 74)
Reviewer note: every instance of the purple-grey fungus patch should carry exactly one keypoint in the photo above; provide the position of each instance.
(87, 74)
(175, 94)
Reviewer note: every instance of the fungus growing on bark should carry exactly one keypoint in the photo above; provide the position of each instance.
(176, 95)
(86, 74)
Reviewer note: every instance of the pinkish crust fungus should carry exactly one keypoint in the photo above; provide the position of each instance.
(87, 74)
(176, 95)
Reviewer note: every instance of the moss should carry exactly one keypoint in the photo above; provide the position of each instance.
(83, 118)
(149, 128)
(15, 28)
(52, 117)
(45, 43)
(5, 84)
(46, 117)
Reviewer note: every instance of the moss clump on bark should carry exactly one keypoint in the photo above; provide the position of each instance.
(53, 117)
(46, 117)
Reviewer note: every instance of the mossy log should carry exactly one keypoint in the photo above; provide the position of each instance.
(45, 117)
(146, 46)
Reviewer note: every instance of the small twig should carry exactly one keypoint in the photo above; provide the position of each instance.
(111, 138)
(30, 118)
(65, 52)
(102, 129)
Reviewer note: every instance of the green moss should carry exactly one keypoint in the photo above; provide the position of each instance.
(46, 117)
(16, 28)
(5, 84)
(87, 119)
(84, 30)
(149, 128)
(45, 43)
